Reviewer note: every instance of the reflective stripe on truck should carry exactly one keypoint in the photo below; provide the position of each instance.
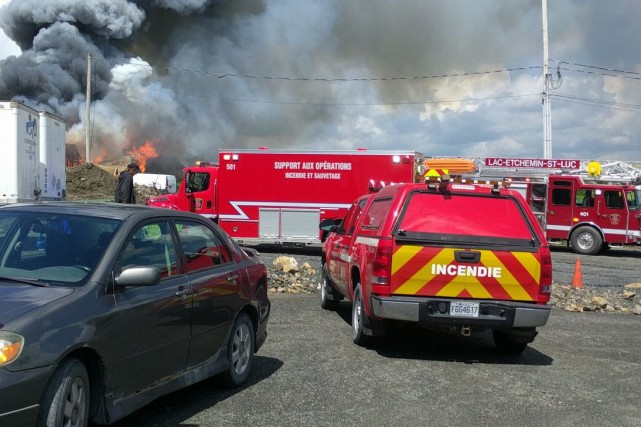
(500, 275)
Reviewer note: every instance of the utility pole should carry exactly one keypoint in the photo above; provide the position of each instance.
(547, 110)
(88, 113)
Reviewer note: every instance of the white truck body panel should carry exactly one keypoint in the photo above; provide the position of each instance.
(20, 147)
(53, 176)
(164, 183)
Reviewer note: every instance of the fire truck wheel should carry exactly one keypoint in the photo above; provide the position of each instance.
(329, 300)
(358, 319)
(586, 240)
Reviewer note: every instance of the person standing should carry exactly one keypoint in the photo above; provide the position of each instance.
(125, 188)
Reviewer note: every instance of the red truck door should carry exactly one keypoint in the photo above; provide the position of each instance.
(200, 191)
(612, 214)
(560, 208)
(340, 243)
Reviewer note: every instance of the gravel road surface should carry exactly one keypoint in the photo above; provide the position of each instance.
(583, 369)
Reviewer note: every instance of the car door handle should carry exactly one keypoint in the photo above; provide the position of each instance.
(182, 291)
(233, 278)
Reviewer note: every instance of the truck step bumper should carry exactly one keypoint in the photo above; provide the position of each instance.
(497, 314)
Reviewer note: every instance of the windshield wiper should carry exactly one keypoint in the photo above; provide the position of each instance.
(26, 280)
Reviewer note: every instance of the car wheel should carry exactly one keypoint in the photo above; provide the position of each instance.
(240, 352)
(586, 241)
(328, 296)
(358, 319)
(506, 343)
(66, 399)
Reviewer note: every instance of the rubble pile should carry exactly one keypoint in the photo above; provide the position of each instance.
(286, 276)
(91, 182)
(626, 300)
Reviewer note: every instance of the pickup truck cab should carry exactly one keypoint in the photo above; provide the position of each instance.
(457, 257)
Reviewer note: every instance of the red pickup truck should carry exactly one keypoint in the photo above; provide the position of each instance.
(457, 257)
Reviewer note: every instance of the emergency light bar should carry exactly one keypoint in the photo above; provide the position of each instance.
(433, 181)
(204, 163)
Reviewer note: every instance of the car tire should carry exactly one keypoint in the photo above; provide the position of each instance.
(329, 301)
(66, 399)
(505, 343)
(240, 352)
(359, 319)
(586, 241)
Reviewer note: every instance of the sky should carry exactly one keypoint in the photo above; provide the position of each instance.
(442, 77)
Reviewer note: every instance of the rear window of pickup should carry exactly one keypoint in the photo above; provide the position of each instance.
(467, 216)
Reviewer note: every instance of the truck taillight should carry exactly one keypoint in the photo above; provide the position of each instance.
(545, 288)
(382, 268)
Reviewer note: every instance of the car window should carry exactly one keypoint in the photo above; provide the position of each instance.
(441, 214)
(53, 247)
(584, 198)
(201, 246)
(614, 199)
(151, 245)
(561, 196)
(198, 181)
(376, 213)
(351, 218)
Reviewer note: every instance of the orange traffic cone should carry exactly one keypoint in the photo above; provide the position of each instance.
(577, 279)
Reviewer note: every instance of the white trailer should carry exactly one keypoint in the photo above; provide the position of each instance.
(53, 175)
(164, 183)
(20, 161)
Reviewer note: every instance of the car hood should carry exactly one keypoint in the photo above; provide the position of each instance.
(17, 299)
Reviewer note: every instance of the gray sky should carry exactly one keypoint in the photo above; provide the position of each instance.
(443, 77)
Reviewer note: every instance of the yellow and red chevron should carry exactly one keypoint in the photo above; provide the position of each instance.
(413, 273)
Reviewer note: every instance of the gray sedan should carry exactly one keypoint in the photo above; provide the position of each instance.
(105, 307)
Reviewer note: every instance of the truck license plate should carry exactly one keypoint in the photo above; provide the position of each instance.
(464, 309)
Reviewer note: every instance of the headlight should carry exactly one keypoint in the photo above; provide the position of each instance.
(10, 347)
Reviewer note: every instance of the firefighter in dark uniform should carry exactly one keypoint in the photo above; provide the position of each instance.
(125, 188)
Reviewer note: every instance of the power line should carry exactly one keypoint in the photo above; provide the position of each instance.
(366, 104)
(597, 67)
(561, 97)
(322, 79)
(631, 75)
(595, 102)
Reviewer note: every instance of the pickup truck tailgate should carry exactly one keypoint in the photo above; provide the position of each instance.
(463, 273)
(442, 248)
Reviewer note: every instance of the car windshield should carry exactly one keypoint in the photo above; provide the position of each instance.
(59, 249)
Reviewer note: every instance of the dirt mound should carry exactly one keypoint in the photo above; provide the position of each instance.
(91, 182)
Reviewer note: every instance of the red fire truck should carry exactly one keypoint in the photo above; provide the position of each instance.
(583, 205)
(268, 196)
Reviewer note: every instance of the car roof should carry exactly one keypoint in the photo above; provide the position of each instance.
(120, 211)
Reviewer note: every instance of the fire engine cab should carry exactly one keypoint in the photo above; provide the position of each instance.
(583, 205)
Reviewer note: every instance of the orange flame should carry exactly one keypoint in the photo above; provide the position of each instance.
(144, 153)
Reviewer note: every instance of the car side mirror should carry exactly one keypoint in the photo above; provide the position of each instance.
(139, 276)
